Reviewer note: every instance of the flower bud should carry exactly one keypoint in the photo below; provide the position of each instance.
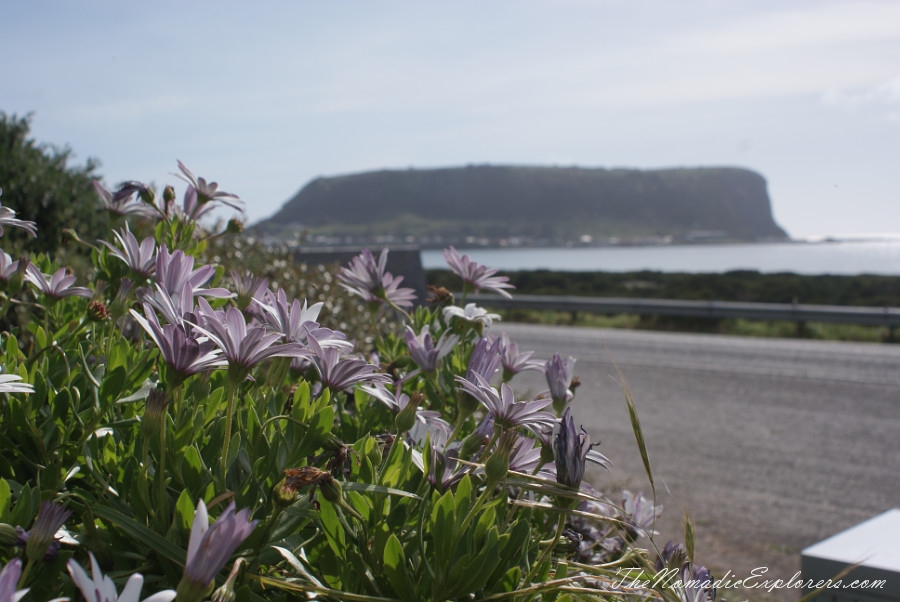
(168, 194)
(331, 489)
(480, 437)
(122, 301)
(154, 419)
(17, 280)
(547, 453)
(497, 464)
(406, 418)
(465, 403)
(559, 405)
(9, 536)
(284, 494)
(472, 444)
(43, 532)
(147, 195)
(188, 590)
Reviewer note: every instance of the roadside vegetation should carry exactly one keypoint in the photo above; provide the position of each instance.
(745, 286)
(280, 432)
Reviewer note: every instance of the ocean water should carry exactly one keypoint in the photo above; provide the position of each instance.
(846, 258)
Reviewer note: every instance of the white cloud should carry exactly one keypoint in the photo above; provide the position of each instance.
(819, 24)
(883, 97)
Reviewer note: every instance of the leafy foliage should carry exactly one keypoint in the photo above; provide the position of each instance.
(42, 186)
(329, 476)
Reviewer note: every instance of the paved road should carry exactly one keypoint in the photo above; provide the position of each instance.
(770, 444)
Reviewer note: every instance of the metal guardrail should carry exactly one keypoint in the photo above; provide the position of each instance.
(796, 312)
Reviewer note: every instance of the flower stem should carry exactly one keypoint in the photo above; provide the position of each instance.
(162, 497)
(560, 525)
(229, 418)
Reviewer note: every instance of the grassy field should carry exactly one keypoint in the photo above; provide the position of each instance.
(752, 328)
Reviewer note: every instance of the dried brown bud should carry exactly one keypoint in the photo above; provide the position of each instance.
(439, 295)
(96, 311)
(235, 226)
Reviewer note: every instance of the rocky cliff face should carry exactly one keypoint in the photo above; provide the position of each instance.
(546, 204)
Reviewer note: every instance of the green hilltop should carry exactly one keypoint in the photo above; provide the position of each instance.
(488, 204)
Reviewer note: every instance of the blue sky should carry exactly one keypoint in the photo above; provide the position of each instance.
(265, 98)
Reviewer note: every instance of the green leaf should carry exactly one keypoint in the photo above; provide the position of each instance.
(334, 531)
(443, 529)
(140, 533)
(234, 446)
(510, 580)
(485, 521)
(562, 569)
(292, 519)
(5, 501)
(484, 563)
(396, 467)
(184, 512)
(396, 570)
(40, 337)
(192, 469)
(26, 507)
(319, 429)
(12, 348)
(112, 385)
(518, 535)
(463, 496)
(367, 488)
(300, 408)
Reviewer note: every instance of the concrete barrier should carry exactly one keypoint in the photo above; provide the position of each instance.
(872, 546)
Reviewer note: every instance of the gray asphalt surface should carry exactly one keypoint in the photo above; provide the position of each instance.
(770, 444)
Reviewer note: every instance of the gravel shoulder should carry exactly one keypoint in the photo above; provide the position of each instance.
(771, 445)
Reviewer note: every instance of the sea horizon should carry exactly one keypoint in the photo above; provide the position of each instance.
(838, 255)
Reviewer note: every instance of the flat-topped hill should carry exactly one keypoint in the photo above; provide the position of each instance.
(533, 205)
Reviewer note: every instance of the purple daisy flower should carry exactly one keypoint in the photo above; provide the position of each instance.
(572, 450)
(484, 360)
(59, 284)
(139, 257)
(205, 192)
(423, 350)
(8, 218)
(9, 578)
(514, 362)
(180, 351)
(243, 346)
(559, 377)
(366, 278)
(100, 588)
(121, 203)
(210, 547)
(508, 412)
(340, 374)
(475, 275)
